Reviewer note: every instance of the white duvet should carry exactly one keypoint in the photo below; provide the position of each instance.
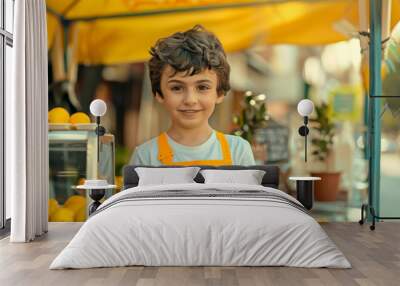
(183, 231)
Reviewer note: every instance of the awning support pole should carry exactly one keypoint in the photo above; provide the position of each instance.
(374, 123)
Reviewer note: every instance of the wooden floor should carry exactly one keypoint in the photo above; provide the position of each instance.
(374, 255)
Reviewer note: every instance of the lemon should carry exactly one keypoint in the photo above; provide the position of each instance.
(53, 207)
(80, 215)
(79, 118)
(81, 181)
(74, 208)
(58, 115)
(75, 203)
(75, 199)
(62, 214)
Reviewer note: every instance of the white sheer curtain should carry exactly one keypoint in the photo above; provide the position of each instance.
(26, 123)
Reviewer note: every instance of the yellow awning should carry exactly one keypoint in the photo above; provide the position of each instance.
(133, 26)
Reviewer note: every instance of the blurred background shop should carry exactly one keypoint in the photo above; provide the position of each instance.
(98, 50)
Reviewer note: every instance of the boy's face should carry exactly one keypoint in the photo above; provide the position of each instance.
(190, 100)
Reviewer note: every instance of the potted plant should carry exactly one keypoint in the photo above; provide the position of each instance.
(328, 188)
(252, 118)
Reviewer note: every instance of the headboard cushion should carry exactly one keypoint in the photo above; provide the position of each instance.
(270, 179)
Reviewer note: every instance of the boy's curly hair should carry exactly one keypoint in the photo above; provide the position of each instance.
(191, 51)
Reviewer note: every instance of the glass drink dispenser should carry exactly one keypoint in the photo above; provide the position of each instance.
(72, 159)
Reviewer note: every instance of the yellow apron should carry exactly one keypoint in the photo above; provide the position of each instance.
(166, 155)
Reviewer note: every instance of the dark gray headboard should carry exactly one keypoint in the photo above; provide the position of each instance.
(270, 179)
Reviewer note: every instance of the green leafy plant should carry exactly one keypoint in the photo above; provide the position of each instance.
(325, 131)
(253, 116)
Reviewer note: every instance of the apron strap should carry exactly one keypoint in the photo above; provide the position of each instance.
(226, 152)
(166, 155)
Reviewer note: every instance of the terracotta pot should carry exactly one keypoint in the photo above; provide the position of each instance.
(327, 188)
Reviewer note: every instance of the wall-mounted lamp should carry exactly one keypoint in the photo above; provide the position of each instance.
(305, 108)
(98, 108)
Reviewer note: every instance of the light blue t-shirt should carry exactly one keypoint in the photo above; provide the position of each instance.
(241, 153)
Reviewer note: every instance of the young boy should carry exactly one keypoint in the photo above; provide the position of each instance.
(189, 75)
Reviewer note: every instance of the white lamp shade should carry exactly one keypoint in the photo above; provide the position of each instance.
(305, 107)
(98, 107)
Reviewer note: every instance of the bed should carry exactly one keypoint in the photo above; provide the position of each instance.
(201, 224)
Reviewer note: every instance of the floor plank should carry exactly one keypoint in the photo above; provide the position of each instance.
(374, 255)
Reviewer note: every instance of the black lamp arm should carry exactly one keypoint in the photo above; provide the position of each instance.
(100, 131)
(303, 131)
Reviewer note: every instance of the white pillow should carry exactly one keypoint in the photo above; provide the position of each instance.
(166, 176)
(248, 177)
